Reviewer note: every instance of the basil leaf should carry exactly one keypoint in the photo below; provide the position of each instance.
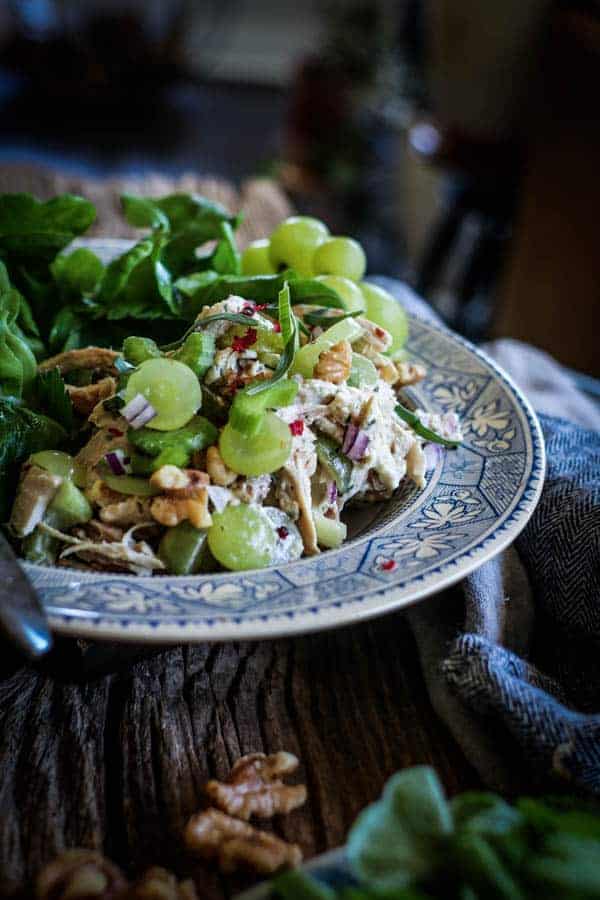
(143, 212)
(427, 433)
(226, 259)
(401, 838)
(76, 273)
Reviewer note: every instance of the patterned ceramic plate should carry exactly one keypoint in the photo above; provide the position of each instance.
(477, 499)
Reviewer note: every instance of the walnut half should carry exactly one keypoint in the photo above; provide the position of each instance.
(80, 875)
(254, 787)
(159, 884)
(235, 844)
(334, 364)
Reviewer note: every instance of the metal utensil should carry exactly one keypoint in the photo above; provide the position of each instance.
(22, 617)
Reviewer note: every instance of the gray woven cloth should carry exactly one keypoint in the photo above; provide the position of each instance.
(512, 657)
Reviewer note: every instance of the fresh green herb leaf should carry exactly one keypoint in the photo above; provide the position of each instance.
(76, 273)
(427, 433)
(143, 212)
(289, 333)
(226, 259)
(17, 361)
(322, 318)
(31, 231)
(401, 838)
(51, 395)
(23, 432)
(298, 885)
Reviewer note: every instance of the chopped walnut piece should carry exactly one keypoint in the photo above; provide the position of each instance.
(179, 483)
(219, 473)
(80, 875)
(169, 511)
(409, 373)
(254, 787)
(87, 397)
(334, 364)
(158, 884)
(235, 844)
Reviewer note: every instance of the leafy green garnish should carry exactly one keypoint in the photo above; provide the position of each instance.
(17, 361)
(426, 433)
(51, 395)
(34, 232)
(321, 317)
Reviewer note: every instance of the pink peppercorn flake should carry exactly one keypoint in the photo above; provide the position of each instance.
(276, 327)
(260, 306)
(282, 532)
(297, 427)
(388, 565)
(115, 432)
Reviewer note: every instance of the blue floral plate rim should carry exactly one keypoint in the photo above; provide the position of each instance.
(476, 502)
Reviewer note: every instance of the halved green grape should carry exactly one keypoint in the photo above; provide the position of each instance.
(307, 356)
(172, 389)
(340, 256)
(263, 452)
(363, 373)
(242, 537)
(256, 259)
(330, 533)
(384, 310)
(183, 549)
(348, 291)
(54, 461)
(129, 484)
(294, 241)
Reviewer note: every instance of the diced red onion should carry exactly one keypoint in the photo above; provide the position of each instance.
(332, 491)
(451, 426)
(432, 453)
(317, 331)
(117, 461)
(359, 447)
(138, 411)
(349, 437)
(218, 496)
(134, 407)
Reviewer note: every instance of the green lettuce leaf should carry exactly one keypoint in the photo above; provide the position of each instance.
(51, 395)
(32, 231)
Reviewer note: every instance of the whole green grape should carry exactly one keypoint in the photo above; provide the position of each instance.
(349, 292)
(256, 259)
(384, 310)
(241, 537)
(293, 243)
(340, 256)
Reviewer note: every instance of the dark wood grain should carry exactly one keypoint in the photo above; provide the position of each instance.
(119, 763)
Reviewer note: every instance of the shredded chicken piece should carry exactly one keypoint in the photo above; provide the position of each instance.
(35, 492)
(137, 556)
(294, 484)
(87, 358)
(87, 397)
(127, 511)
(374, 336)
(102, 442)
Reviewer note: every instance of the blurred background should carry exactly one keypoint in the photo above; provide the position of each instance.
(457, 140)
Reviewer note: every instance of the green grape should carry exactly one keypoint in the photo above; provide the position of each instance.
(307, 356)
(242, 537)
(256, 259)
(330, 533)
(349, 292)
(68, 507)
(260, 453)
(293, 243)
(340, 256)
(54, 461)
(172, 389)
(384, 310)
(363, 373)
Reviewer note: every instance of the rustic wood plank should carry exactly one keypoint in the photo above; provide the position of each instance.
(119, 763)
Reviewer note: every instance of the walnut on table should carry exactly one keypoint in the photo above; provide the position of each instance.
(234, 844)
(159, 884)
(254, 787)
(80, 875)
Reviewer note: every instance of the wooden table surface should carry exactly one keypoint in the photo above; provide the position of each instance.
(118, 763)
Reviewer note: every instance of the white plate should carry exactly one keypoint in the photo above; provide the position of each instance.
(477, 500)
